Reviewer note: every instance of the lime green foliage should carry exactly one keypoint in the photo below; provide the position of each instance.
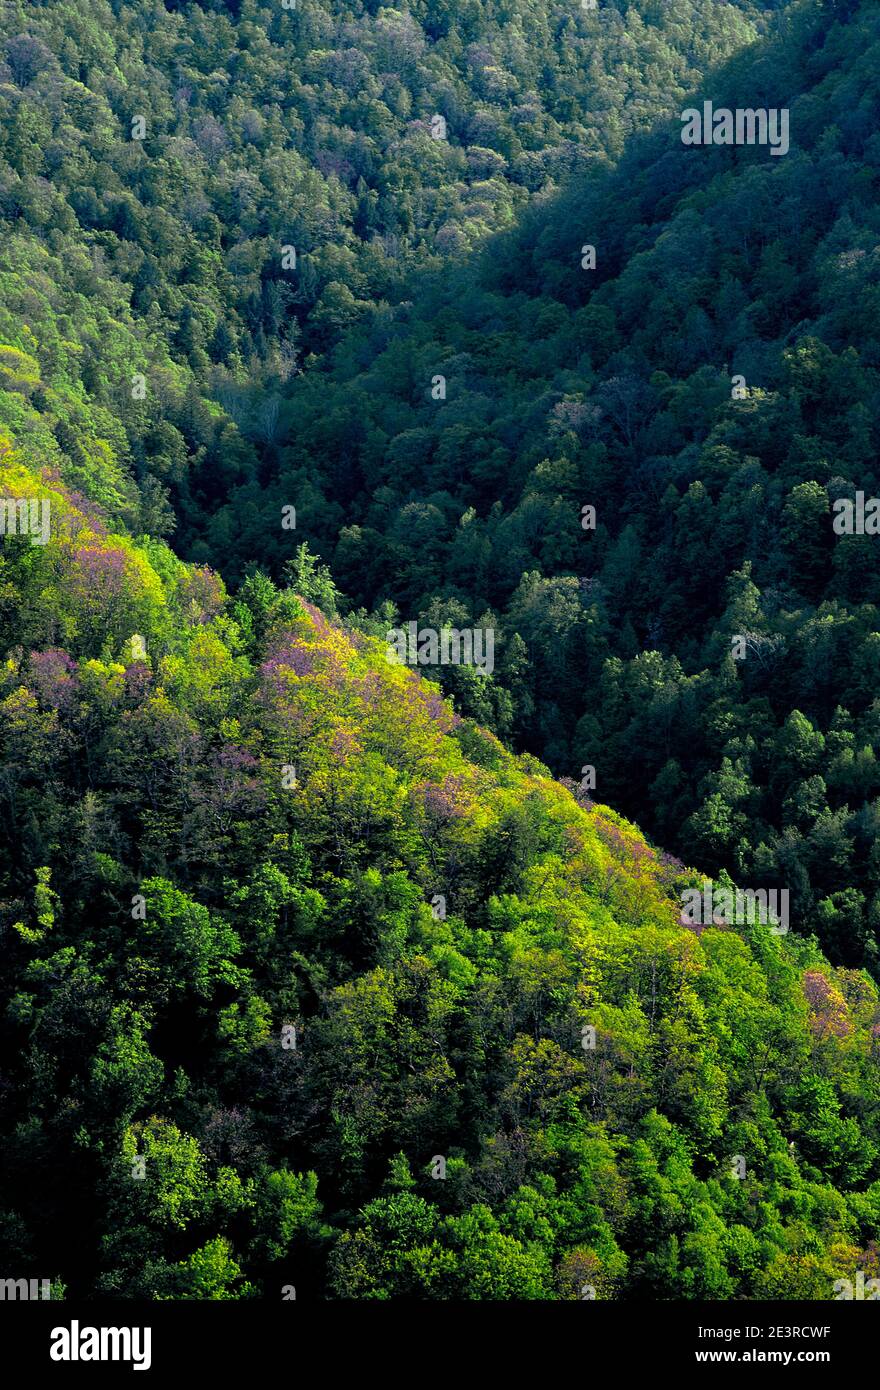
(209, 1272)
(239, 985)
(44, 908)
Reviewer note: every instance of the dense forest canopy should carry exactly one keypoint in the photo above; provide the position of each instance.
(711, 389)
(155, 162)
(314, 976)
(309, 982)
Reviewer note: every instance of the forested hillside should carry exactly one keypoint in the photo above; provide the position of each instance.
(308, 983)
(206, 196)
(711, 647)
(313, 976)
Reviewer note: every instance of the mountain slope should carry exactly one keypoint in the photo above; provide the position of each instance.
(711, 389)
(227, 820)
(197, 200)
